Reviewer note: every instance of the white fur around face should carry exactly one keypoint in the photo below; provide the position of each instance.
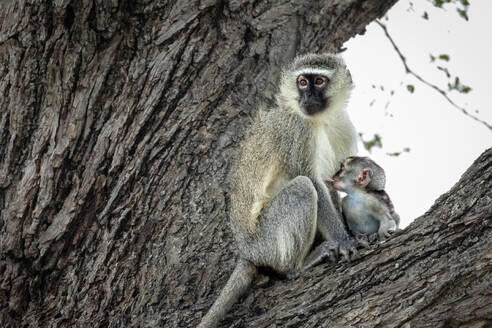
(335, 136)
(316, 71)
(336, 139)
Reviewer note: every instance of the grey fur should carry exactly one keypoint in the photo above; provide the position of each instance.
(278, 197)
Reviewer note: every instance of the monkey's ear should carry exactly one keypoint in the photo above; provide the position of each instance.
(364, 177)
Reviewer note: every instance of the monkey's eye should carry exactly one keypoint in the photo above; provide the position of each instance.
(302, 81)
(318, 81)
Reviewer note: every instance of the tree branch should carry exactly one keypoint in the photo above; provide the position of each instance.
(421, 79)
(435, 273)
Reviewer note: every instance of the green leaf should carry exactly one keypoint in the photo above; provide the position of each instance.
(458, 86)
(432, 58)
(374, 142)
(410, 88)
(463, 13)
(398, 153)
(439, 3)
(445, 70)
(444, 57)
(425, 15)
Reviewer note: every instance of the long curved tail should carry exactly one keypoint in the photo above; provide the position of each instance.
(238, 283)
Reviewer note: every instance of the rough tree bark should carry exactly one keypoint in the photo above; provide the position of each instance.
(118, 122)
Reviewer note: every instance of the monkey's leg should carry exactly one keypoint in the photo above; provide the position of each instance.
(331, 226)
(286, 232)
(386, 223)
(287, 228)
(386, 227)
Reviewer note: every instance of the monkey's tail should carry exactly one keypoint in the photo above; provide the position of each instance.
(239, 281)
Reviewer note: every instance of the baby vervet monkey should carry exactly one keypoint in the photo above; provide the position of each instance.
(367, 208)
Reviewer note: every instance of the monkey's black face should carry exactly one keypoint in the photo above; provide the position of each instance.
(312, 92)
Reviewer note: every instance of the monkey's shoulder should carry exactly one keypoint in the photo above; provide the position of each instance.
(382, 197)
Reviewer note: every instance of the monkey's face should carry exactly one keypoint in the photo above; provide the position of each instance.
(314, 86)
(340, 180)
(346, 179)
(312, 93)
(351, 177)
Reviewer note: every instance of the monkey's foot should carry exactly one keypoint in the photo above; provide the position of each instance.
(348, 249)
(386, 229)
(293, 274)
(362, 240)
(373, 238)
(381, 236)
(261, 280)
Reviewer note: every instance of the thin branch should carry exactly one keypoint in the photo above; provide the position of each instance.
(433, 86)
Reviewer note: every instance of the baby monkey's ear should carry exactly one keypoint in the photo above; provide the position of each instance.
(364, 177)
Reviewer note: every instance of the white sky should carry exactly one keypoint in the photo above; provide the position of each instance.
(443, 142)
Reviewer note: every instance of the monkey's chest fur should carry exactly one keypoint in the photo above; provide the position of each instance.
(334, 143)
(278, 148)
(359, 215)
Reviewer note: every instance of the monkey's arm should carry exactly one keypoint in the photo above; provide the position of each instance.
(396, 217)
(383, 197)
(335, 198)
(386, 222)
(330, 225)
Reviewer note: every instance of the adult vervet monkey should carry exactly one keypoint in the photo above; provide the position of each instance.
(278, 195)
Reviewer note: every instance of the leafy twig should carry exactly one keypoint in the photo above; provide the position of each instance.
(433, 86)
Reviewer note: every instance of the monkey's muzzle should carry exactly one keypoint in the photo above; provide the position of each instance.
(313, 104)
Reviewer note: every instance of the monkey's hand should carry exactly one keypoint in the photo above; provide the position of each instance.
(327, 249)
(348, 249)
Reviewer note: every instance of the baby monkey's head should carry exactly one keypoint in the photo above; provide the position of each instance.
(358, 172)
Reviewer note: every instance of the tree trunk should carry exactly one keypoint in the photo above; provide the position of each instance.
(118, 122)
